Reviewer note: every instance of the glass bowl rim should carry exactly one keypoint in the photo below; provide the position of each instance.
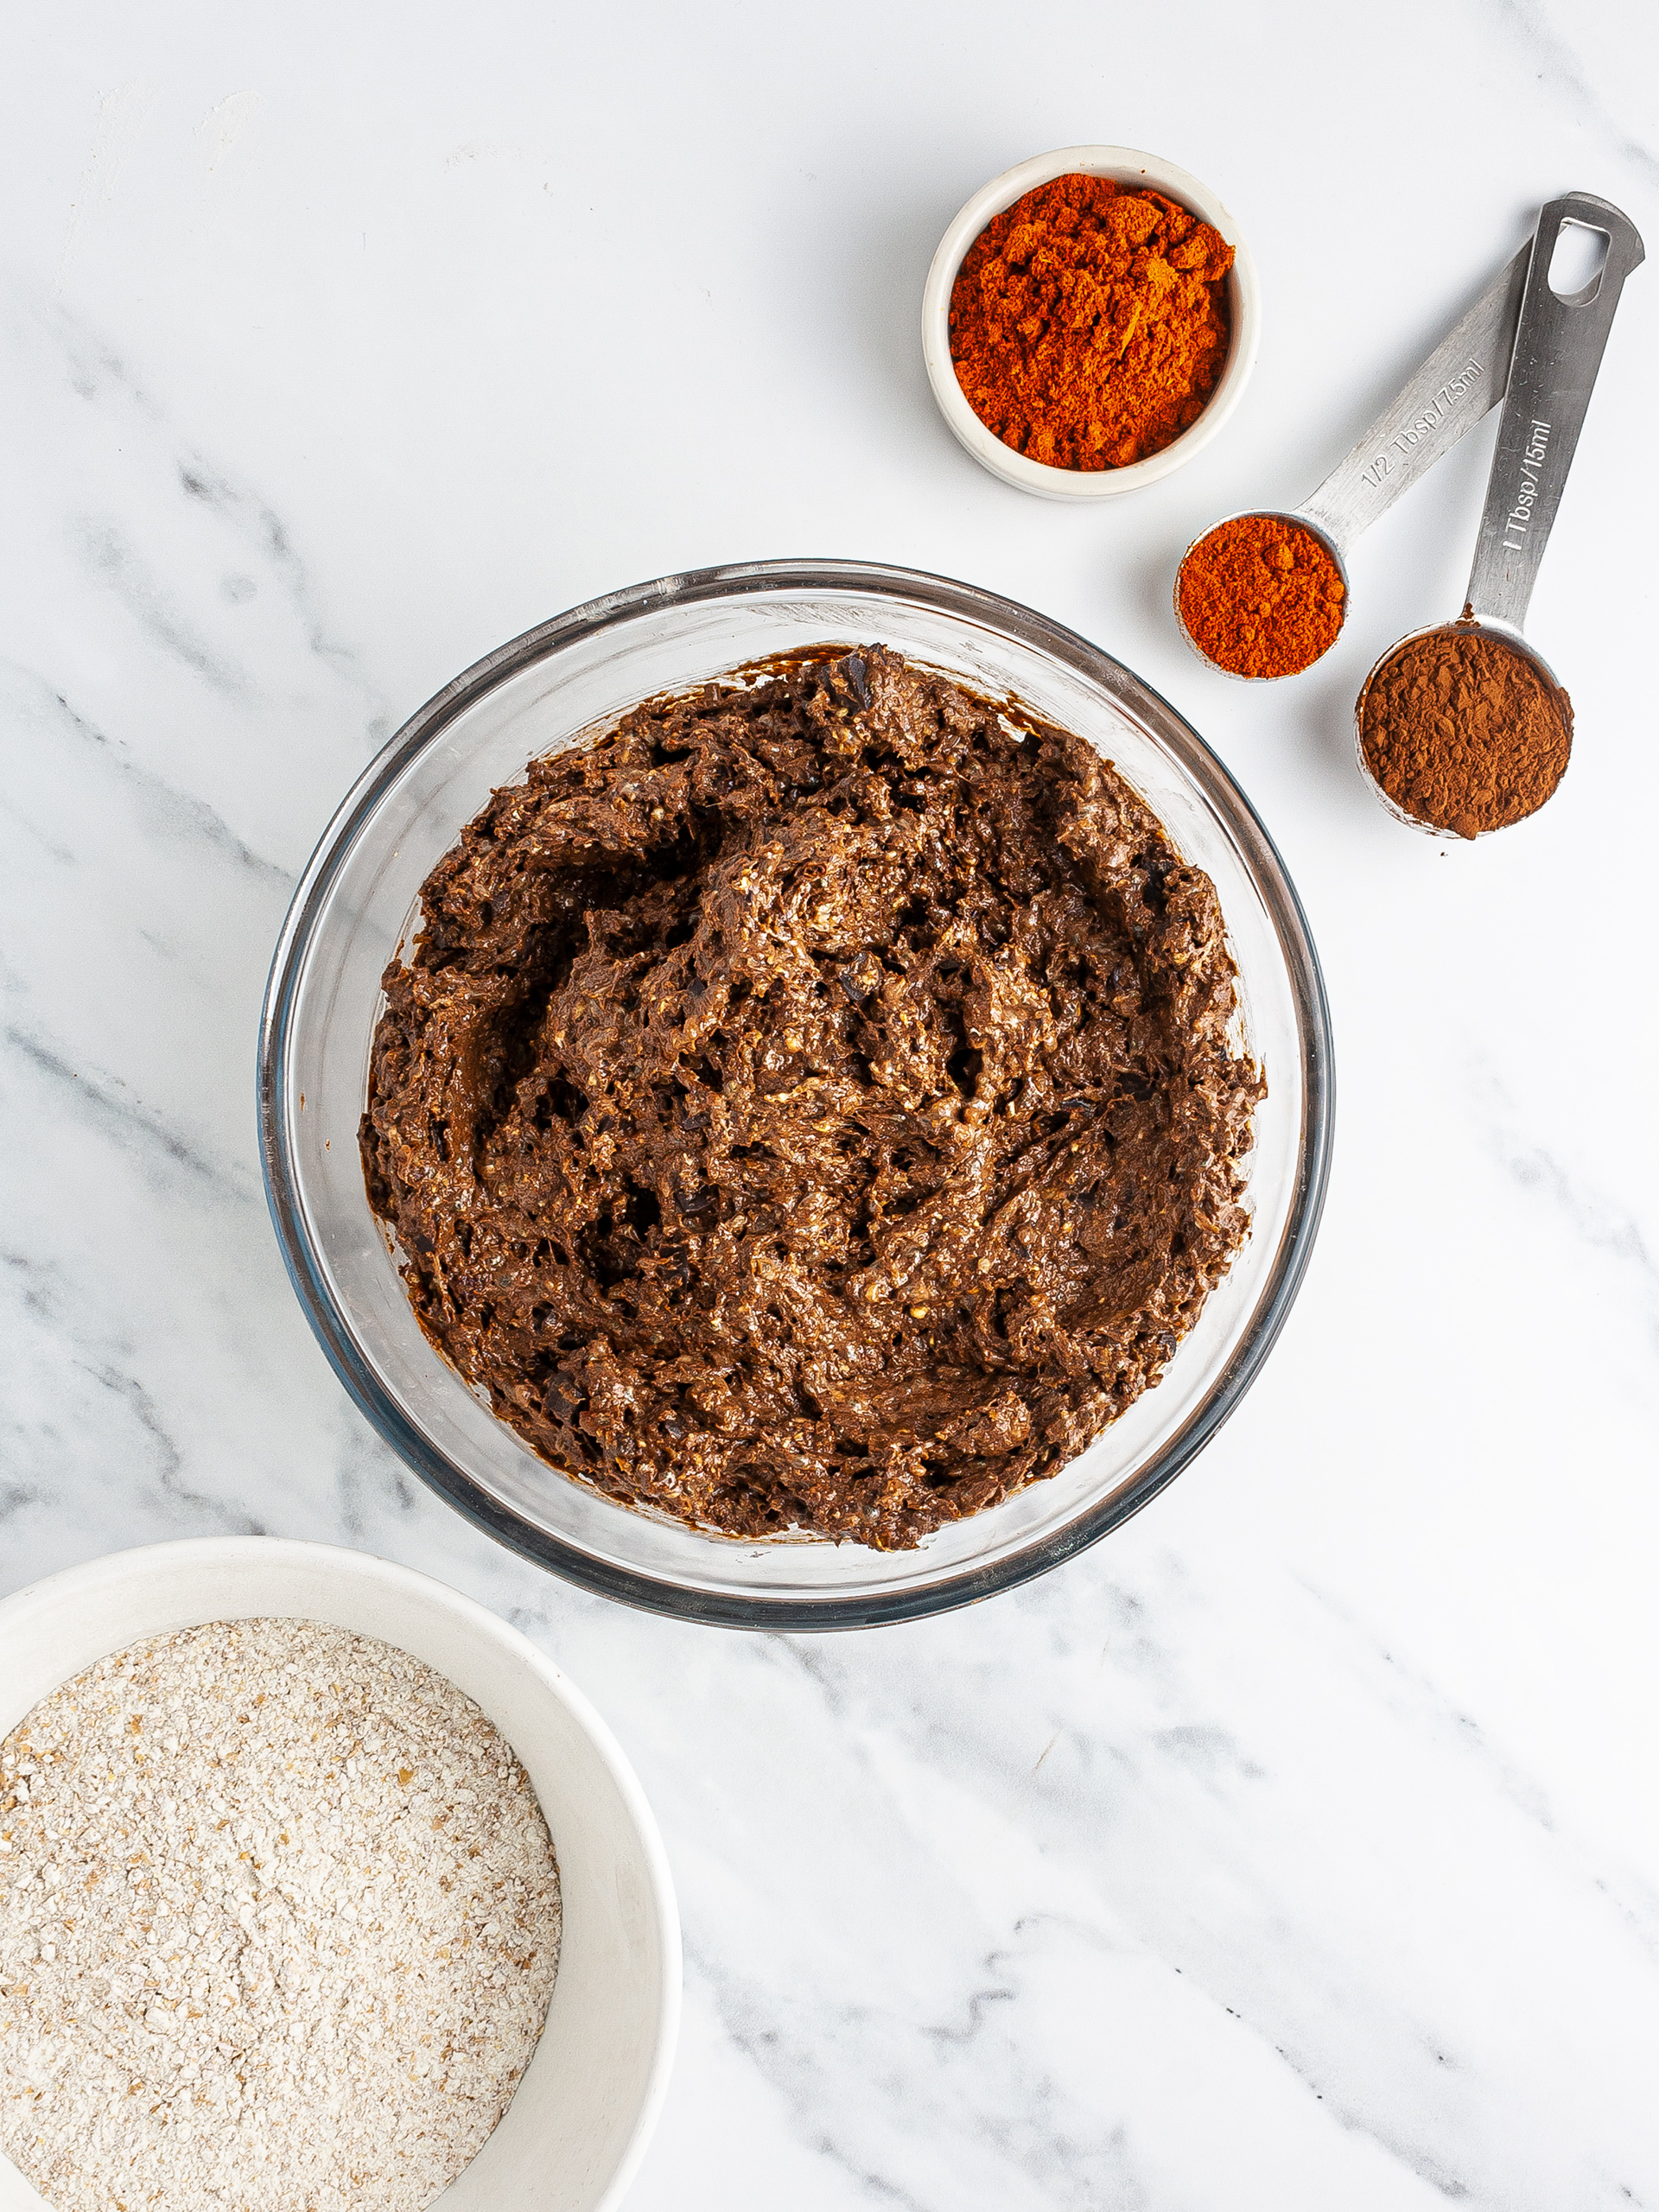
(653, 1593)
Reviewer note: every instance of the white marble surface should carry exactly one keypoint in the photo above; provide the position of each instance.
(1299, 1846)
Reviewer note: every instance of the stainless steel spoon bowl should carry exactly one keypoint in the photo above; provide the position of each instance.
(1462, 379)
(1558, 348)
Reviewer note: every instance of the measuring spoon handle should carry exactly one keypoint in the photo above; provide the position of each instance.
(1460, 380)
(1557, 349)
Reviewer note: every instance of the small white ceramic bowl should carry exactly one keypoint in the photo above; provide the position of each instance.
(1124, 166)
(579, 2123)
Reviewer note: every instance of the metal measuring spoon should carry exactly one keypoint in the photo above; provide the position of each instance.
(1558, 350)
(1461, 379)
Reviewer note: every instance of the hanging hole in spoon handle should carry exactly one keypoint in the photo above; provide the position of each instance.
(1472, 730)
(1558, 350)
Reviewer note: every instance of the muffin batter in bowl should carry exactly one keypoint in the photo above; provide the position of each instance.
(811, 1105)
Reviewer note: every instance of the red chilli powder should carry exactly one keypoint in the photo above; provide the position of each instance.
(1260, 596)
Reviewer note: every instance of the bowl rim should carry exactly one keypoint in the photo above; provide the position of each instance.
(211, 1556)
(1124, 165)
(658, 1594)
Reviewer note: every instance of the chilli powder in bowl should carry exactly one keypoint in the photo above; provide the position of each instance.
(813, 1104)
(1089, 322)
(279, 1921)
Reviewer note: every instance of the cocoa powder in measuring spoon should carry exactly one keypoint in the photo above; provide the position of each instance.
(1464, 729)
(1463, 733)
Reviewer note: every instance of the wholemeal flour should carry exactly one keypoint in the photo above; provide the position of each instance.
(279, 1921)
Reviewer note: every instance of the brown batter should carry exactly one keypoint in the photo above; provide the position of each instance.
(810, 1106)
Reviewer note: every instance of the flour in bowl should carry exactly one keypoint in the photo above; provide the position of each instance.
(279, 1921)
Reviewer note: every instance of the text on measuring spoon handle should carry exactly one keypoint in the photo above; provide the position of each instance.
(1558, 350)
(1442, 401)
(1460, 380)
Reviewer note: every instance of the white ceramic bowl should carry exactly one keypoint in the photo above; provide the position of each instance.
(1124, 166)
(578, 2126)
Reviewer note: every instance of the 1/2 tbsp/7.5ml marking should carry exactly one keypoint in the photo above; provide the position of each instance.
(1411, 434)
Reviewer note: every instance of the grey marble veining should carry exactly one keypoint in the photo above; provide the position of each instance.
(1294, 1848)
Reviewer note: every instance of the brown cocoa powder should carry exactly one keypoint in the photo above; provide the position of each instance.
(1463, 732)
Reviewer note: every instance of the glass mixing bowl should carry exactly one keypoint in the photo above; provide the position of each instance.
(358, 901)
